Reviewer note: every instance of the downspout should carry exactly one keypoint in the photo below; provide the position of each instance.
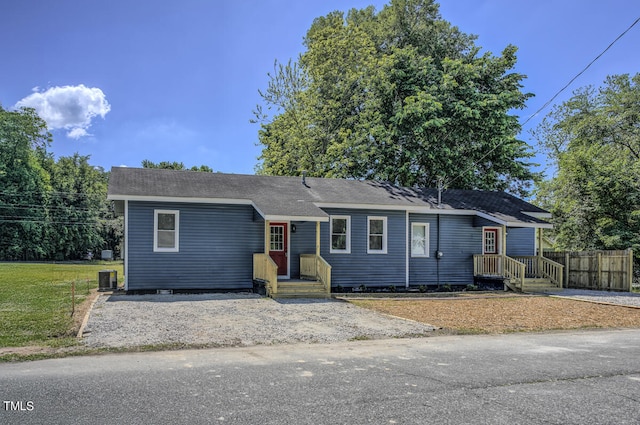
(126, 245)
(406, 253)
(438, 253)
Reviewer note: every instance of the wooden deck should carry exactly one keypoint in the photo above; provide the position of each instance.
(314, 270)
(522, 273)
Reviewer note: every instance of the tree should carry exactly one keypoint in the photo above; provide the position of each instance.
(174, 166)
(80, 217)
(49, 210)
(401, 96)
(24, 184)
(594, 140)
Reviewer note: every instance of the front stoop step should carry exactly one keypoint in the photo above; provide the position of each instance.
(308, 289)
(538, 285)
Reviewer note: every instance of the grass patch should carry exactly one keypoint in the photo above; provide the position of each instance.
(36, 300)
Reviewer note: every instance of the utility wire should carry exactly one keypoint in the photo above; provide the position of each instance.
(580, 73)
(553, 98)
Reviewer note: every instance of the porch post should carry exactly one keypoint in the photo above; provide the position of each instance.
(267, 236)
(504, 240)
(540, 253)
(539, 269)
(317, 238)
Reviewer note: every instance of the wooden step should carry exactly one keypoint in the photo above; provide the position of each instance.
(537, 285)
(301, 289)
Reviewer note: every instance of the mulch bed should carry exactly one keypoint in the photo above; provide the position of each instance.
(501, 314)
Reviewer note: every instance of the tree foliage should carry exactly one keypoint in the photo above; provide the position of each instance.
(594, 139)
(174, 165)
(49, 210)
(24, 183)
(401, 96)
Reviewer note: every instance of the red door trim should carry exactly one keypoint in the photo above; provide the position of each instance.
(280, 256)
(496, 233)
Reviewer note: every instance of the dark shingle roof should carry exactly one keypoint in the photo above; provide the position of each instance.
(276, 196)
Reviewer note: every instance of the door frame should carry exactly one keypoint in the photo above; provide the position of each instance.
(498, 240)
(287, 243)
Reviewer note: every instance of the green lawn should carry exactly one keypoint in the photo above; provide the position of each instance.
(36, 301)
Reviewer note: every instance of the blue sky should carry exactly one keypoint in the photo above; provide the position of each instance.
(124, 81)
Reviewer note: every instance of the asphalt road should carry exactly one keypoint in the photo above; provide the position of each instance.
(556, 378)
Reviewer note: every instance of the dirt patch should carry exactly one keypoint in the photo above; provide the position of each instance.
(507, 314)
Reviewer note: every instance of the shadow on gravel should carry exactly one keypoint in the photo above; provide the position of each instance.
(293, 301)
(169, 298)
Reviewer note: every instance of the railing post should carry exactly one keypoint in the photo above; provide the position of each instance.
(629, 280)
(567, 262)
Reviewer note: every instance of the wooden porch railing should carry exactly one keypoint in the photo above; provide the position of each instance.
(500, 265)
(540, 267)
(265, 269)
(315, 267)
(518, 268)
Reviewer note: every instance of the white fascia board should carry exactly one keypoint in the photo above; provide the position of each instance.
(491, 218)
(294, 218)
(178, 199)
(367, 206)
(534, 225)
(513, 223)
(441, 211)
(537, 214)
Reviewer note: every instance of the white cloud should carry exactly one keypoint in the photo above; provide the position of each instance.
(68, 107)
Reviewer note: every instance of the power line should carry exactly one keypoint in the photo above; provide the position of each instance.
(580, 73)
(552, 99)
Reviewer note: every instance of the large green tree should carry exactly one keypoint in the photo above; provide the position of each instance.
(79, 216)
(24, 184)
(49, 210)
(594, 140)
(401, 96)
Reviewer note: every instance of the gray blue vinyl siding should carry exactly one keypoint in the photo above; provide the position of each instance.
(459, 241)
(521, 241)
(217, 243)
(359, 267)
(303, 241)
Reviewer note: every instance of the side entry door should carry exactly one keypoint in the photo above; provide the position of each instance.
(278, 249)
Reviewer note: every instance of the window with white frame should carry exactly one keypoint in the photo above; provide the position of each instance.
(419, 239)
(340, 234)
(166, 224)
(377, 231)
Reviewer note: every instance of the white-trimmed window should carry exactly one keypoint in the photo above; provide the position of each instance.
(340, 234)
(377, 232)
(166, 225)
(419, 239)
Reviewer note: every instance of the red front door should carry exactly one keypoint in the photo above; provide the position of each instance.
(278, 249)
(491, 241)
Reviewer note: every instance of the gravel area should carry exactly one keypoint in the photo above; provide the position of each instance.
(620, 298)
(234, 320)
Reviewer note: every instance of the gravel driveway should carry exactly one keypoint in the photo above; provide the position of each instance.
(234, 319)
(620, 298)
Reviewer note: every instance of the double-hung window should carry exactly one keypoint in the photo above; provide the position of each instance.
(419, 239)
(166, 224)
(377, 231)
(340, 234)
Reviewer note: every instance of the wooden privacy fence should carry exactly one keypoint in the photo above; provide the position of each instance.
(601, 270)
